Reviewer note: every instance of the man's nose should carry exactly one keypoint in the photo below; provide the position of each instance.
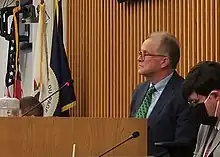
(140, 58)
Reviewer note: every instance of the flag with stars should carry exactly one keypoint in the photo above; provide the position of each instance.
(13, 82)
(13, 75)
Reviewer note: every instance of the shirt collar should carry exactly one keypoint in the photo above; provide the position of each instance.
(162, 83)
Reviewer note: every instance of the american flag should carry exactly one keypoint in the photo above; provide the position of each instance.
(13, 75)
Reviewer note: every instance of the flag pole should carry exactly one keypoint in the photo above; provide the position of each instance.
(16, 40)
(57, 9)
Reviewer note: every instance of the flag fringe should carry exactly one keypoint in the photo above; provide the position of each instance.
(67, 107)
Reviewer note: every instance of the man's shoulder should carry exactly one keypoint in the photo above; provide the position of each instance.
(175, 83)
(177, 78)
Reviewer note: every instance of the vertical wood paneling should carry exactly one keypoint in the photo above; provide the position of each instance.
(103, 39)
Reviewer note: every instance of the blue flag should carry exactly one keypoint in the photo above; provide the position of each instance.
(59, 65)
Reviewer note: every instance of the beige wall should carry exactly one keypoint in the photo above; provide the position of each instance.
(103, 38)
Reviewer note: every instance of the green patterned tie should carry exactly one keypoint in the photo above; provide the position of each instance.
(142, 111)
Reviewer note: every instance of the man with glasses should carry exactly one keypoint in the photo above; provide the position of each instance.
(202, 89)
(159, 99)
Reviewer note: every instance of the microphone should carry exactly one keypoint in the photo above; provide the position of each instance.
(133, 135)
(67, 84)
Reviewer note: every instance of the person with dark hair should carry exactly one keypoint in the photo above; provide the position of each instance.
(159, 99)
(201, 80)
(202, 89)
(27, 103)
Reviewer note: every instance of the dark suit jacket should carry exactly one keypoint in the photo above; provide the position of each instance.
(168, 120)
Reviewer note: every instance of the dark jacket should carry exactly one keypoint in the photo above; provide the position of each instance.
(169, 119)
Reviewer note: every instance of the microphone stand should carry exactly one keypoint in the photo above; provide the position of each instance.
(116, 146)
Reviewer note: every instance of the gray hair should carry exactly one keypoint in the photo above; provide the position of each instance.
(168, 45)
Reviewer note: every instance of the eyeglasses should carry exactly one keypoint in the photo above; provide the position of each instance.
(195, 101)
(143, 55)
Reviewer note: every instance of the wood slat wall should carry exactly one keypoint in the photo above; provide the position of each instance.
(103, 38)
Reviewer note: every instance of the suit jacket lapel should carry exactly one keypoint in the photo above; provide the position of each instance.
(141, 95)
(165, 98)
(202, 138)
(215, 142)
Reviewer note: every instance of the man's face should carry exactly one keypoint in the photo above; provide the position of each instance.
(210, 103)
(195, 98)
(149, 60)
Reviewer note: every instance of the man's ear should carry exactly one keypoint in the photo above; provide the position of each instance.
(165, 62)
(215, 94)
